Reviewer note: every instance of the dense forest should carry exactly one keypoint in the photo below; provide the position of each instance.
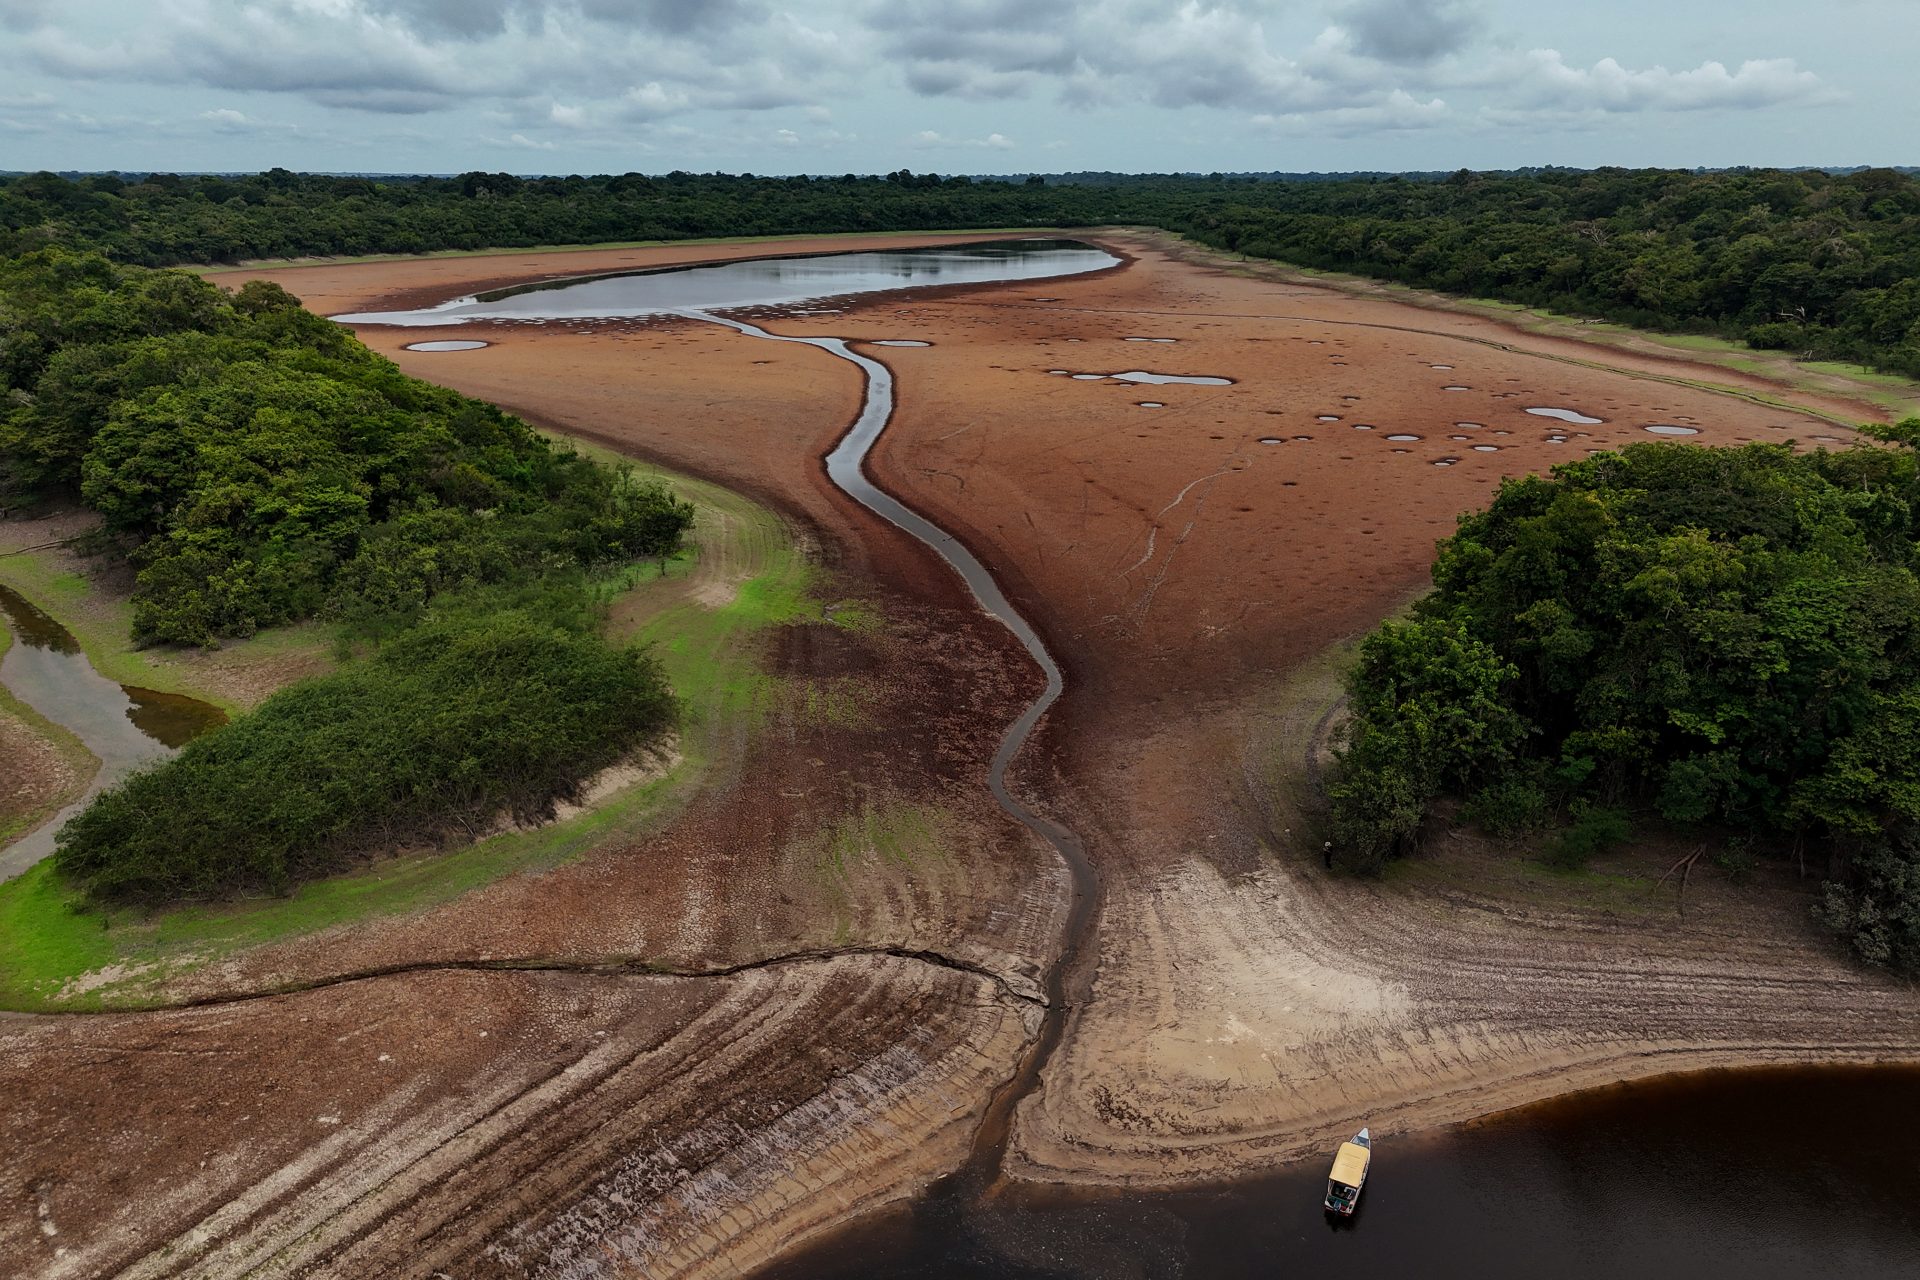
(474, 713)
(258, 465)
(1725, 639)
(1827, 266)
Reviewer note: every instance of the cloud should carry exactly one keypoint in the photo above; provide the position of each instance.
(24, 15)
(1544, 80)
(1400, 112)
(413, 56)
(1411, 31)
(746, 78)
(930, 140)
(1106, 53)
(520, 141)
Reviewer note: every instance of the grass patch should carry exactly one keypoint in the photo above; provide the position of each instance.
(712, 658)
(897, 835)
(102, 622)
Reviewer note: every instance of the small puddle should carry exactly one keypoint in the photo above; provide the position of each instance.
(450, 344)
(1152, 339)
(1486, 448)
(1328, 417)
(1447, 367)
(1089, 377)
(1456, 388)
(172, 719)
(1672, 429)
(1403, 437)
(1566, 415)
(1271, 440)
(1469, 426)
(123, 725)
(1363, 426)
(1168, 379)
(900, 342)
(1150, 404)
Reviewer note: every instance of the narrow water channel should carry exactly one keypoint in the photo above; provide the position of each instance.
(1726, 1174)
(846, 468)
(124, 726)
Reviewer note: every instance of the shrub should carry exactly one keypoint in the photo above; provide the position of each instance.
(1510, 806)
(1877, 911)
(458, 721)
(1593, 830)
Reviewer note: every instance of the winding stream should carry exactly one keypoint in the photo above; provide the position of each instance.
(1741, 1174)
(846, 468)
(124, 726)
(777, 281)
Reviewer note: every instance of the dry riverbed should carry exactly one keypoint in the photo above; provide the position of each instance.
(792, 1004)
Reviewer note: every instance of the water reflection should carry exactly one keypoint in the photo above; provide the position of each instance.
(125, 727)
(761, 282)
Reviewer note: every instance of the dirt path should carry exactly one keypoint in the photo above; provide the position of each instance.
(1187, 574)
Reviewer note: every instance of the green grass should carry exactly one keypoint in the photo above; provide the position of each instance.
(711, 655)
(103, 622)
(896, 835)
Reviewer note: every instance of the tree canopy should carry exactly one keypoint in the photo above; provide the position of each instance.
(262, 465)
(1825, 265)
(1726, 638)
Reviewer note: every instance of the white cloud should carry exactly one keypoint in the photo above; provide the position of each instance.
(520, 141)
(932, 140)
(1399, 112)
(1546, 80)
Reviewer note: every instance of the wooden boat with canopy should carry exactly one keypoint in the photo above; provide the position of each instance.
(1349, 1174)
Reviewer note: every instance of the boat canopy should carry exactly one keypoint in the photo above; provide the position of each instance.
(1350, 1165)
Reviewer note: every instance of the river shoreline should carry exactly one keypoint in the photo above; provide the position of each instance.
(1242, 1007)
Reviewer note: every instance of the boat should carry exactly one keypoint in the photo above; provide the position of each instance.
(1349, 1174)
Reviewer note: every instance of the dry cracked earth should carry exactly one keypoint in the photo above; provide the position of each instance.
(686, 1053)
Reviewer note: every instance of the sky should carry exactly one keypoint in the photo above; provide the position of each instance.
(953, 86)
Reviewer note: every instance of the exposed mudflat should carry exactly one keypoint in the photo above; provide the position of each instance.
(1245, 1008)
(1242, 1007)
(40, 778)
(491, 1124)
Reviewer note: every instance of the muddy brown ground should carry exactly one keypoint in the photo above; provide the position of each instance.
(39, 778)
(1242, 1007)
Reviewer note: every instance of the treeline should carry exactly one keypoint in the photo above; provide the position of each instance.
(260, 465)
(475, 715)
(1727, 640)
(1826, 266)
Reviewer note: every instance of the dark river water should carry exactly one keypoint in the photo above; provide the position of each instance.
(759, 282)
(1735, 1174)
(1724, 1174)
